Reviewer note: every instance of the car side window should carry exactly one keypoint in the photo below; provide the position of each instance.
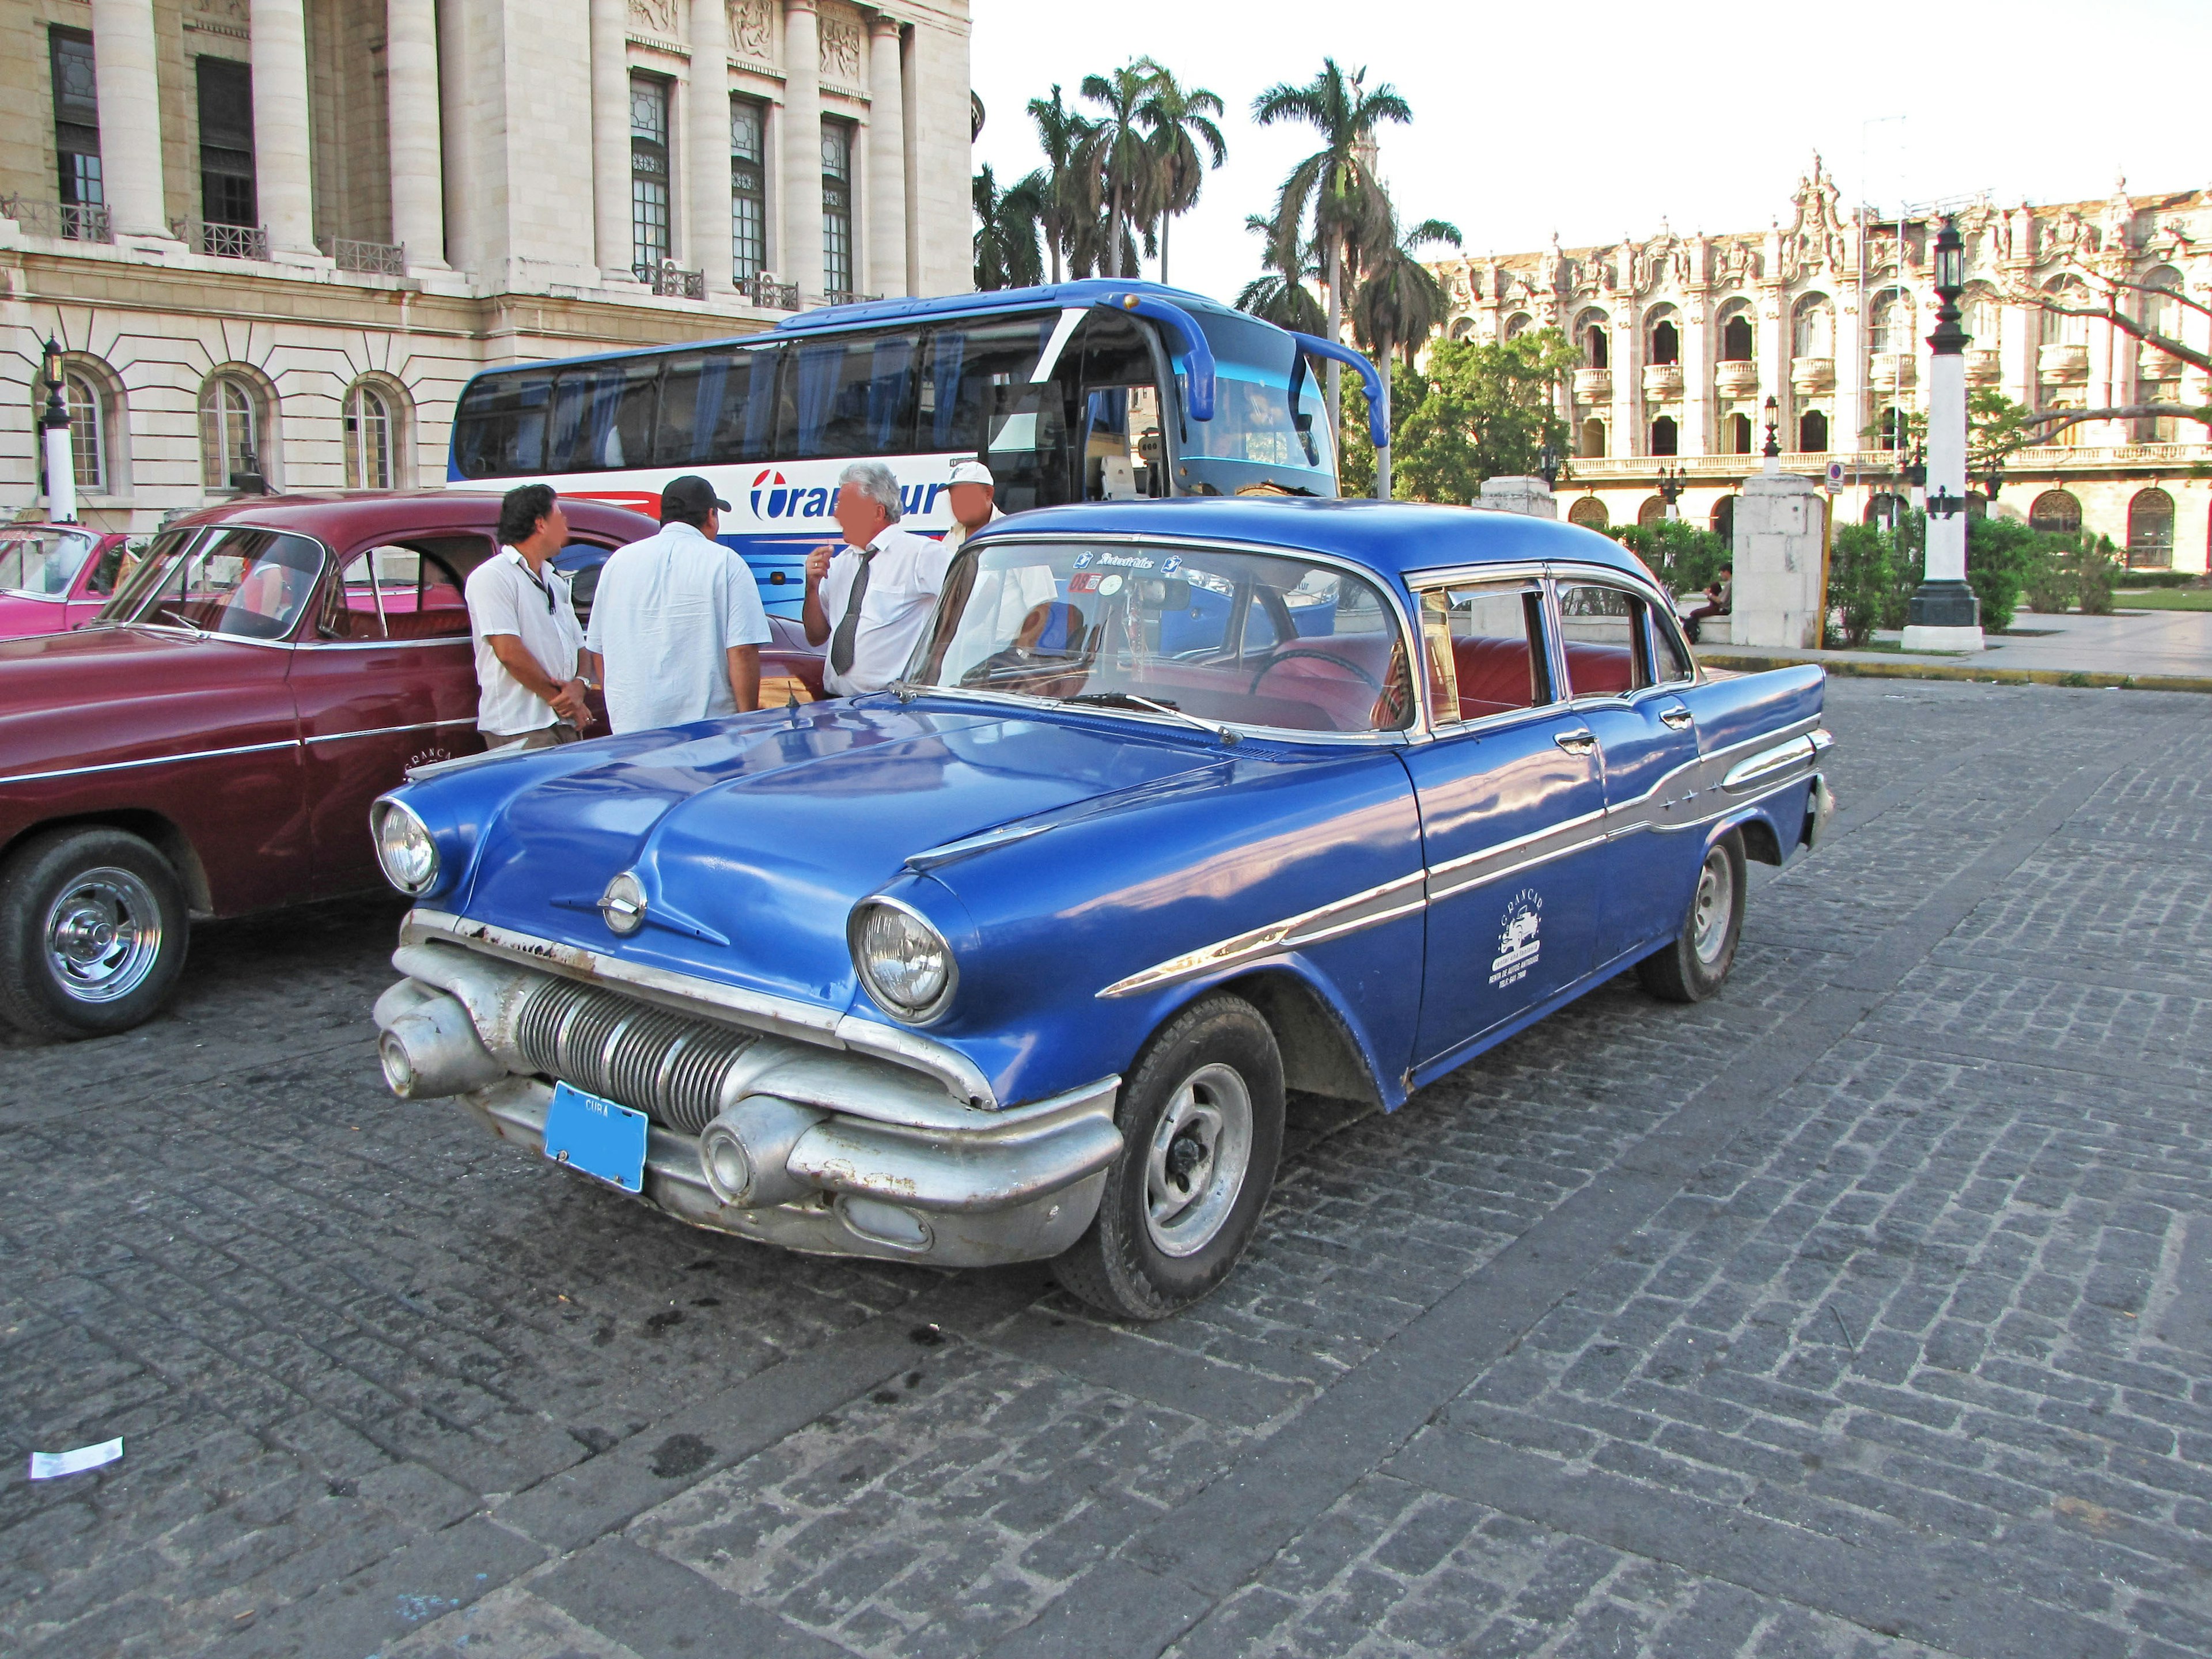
(1602, 628)
(399, 591)
(1482, 645)
(1670, 656)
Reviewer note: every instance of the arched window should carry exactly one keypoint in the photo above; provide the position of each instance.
(1664, 438)
(2150, 531)
(1813, 432)
(1984, 318)
(1589, 512)
(1813, 328)
(1885, 510)
(1461, 327)
(1889, 428)
(1724, 518)
(1666, 340)
(370, 437)
(2058, 328)
(88, 429)
(2055, 512)
(1653, 510)
(1890, 324)
(1518, 324)
(1593, 437)
(1736, 334)
(231, 422)
(1739, 434)
(1596, 343)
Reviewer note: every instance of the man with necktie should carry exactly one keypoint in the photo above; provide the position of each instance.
(871, 598)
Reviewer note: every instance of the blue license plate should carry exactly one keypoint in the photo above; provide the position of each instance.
(596, 1136)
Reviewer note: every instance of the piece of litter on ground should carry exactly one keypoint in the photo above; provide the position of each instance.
(47, 1466)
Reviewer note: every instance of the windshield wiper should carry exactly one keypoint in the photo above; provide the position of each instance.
(1229, 737)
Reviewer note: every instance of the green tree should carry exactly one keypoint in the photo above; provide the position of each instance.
(1860, 577)
(1121, 168)
(1475, 411)
(1179, 120)
(1283, 296)
(1683, 557)
(1331, 190)
(1058, 185)
(2000, 553)
(1007, 254)
(1398, 305)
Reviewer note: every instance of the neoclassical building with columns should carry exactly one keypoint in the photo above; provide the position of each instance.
(275, 237)
(1683, 339)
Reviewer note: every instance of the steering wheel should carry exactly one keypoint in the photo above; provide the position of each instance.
(1282, 657)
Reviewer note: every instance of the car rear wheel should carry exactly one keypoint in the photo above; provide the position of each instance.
(93, 933)
(1691, 968)
(1201, 1122)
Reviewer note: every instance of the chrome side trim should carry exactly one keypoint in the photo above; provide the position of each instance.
(948, 852)
(388, 731)
(1398, 898)
(824, 1028)
(1763, 767)
(154, 760)
(1521, 852)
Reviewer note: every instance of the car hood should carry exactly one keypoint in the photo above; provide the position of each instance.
(102, 695)
(753, 837)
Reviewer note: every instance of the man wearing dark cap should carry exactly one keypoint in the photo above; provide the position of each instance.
(676, 623)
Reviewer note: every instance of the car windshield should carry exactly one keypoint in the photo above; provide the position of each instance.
(45, 562)
(1243, 638)
(233, 580)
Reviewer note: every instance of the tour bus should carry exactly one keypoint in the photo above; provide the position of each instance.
(1083, 391)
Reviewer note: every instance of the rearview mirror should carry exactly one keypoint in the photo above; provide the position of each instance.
(1157, 593)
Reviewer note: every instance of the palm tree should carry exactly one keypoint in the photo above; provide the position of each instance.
(1397, 307)
(1006, 252)
(1282, 297)
(1333, 187)
(1061, 134)
(1179, 121)
(1118, 161)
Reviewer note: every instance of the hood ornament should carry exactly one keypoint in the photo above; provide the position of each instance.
(622, 905)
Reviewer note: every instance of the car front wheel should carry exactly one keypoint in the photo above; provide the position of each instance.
(1691, 968)
(1201, 1122)
(92, 931)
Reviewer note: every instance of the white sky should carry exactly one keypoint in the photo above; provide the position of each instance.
(1618, 114)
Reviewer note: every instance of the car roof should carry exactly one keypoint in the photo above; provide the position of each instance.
(348, 518)
(1389, 538)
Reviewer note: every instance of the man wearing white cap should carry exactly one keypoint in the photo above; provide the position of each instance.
(972, 503)
(1008, 595)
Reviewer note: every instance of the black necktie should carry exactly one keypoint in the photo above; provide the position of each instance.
(848, 625)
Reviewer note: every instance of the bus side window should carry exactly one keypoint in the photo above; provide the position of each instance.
(853, 396)
(499, 430)
(1119, 403)
(603, 416)
(718, 408)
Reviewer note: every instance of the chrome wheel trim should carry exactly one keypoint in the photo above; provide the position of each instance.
(1200, 1152)
(103, 935)
(1713, 908)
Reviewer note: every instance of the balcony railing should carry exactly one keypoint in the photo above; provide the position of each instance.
(764, 290)
(1984, 366)
(65, 222)
(1736, 379)
(2059, 364)
(1594, 385)
(1662, 380)
(671, 282)
(1813, 375)
(222, 241)
(367, 258)
(1872, 466)
(847, 297)
(1890, 369)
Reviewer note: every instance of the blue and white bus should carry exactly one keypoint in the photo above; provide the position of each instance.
(1079, 391)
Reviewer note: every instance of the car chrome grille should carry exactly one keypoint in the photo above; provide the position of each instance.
(665, 1065)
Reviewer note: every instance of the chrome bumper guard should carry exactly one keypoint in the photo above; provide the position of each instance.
(808, 1147)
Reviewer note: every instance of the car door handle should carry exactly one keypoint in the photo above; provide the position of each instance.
(1582, 742)
(1675, 718)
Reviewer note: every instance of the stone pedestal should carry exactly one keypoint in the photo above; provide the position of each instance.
(1776, 599)
(1529, 497)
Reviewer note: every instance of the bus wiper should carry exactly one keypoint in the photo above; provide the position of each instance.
(1230, 738)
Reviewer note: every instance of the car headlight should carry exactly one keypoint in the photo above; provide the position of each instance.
(404, 848)
(903, 961)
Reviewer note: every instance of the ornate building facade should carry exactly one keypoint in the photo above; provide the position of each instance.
(274, 237)
(1682, 340)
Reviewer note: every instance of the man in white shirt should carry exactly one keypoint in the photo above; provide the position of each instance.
(527, 640)
(872, 598)
(972, 496)
(1005, 596)
(677, 622)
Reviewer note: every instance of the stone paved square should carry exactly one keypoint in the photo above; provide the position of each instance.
(1863, 1311)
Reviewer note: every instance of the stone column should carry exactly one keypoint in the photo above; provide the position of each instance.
(1530, 496)
(1776, 600)
(886, 200)
(417, 152)
(282, 182)
(707, 188)
(799, 252)
(1852, 409)
(610, 142)
(129, 115)
(1697, 374)
(1627, 356)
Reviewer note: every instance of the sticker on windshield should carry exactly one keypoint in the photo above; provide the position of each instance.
(1083, 582)
(1083, 561)
(1518, 944)
(1174, 564)
(1108, 587)
(1125, 561)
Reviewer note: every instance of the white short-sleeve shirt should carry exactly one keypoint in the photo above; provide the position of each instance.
(504, 597)
(905, 579)
(667, 611)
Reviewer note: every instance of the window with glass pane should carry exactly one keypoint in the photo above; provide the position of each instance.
(1601, 629)
(1484, 643)
(748, 187)
(603, 416)
(76, 120)
(367, 440)
(498, 429)
(226, 109)
(649, 175)
(228, 435)
(718, 406)
(854, 395)
(87, 433)
(836, 207)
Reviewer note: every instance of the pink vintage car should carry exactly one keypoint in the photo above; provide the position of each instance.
(54, 577)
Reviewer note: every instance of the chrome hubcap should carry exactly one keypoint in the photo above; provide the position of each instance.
(1715, 906)
(103, 935)
(1198, 1159)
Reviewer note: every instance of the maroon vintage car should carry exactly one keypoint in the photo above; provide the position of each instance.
(54, 577)
(210, 744)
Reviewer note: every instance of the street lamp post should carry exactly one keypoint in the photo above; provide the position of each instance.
(1547, 466)
(1773, 450)
(54, 438)
(1672, 481)
(1944, 614)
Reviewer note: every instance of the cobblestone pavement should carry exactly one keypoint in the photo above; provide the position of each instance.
(1866, 1309)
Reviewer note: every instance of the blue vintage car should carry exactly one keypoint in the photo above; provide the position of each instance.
(1181, 805)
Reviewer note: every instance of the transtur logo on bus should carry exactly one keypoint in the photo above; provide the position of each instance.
(775, 497)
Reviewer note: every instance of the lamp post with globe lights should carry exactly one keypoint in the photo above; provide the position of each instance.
(1944, 614)
(54, 441)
